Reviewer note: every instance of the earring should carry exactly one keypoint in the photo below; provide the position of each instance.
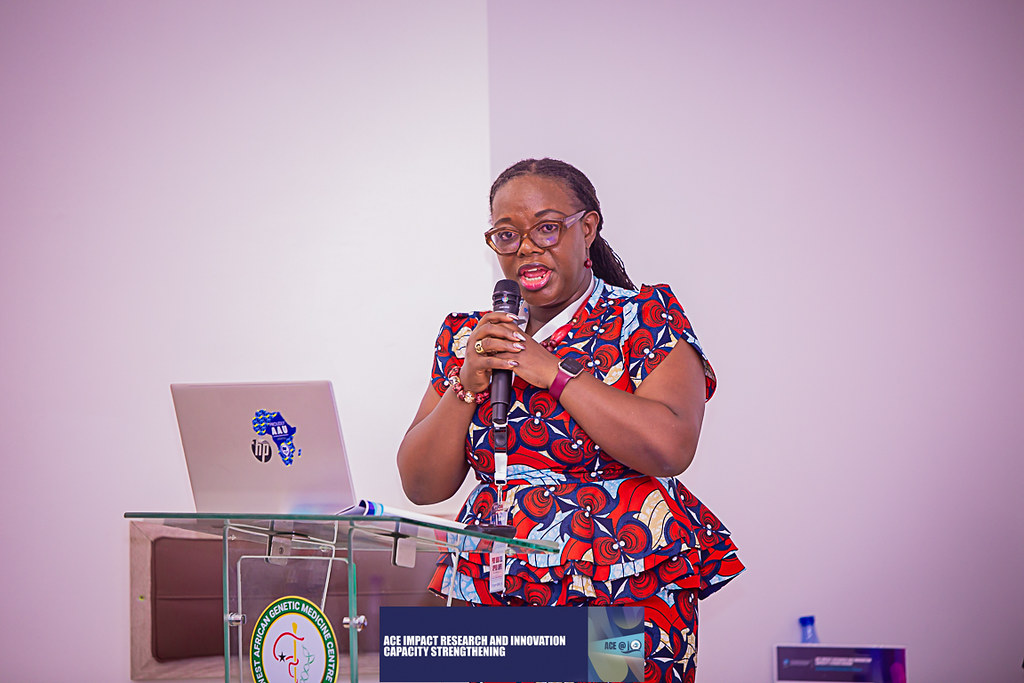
(588, 263)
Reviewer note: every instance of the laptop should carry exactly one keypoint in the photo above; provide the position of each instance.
(264, 448)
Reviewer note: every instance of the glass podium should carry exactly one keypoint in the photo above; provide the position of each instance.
(269, 557)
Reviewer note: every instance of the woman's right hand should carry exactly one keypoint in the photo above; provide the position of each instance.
(496, 333)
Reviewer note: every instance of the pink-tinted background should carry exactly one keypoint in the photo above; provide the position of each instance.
(836, 192)
(241, 191)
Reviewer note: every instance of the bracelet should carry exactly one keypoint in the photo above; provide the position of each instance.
(463, 393)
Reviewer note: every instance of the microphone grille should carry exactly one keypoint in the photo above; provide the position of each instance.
(506, 296)
(507, 287)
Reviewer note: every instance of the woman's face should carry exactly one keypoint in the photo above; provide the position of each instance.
(551, 278)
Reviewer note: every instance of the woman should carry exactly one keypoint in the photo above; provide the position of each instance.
(592, 454)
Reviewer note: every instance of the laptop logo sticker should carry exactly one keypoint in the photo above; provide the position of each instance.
(261, 449)
(274, 424)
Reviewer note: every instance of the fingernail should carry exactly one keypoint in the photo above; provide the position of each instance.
(520, 337)
(513, 363)
(518, 346)
(512, 316)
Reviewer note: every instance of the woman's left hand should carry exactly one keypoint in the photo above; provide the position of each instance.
(537, 365)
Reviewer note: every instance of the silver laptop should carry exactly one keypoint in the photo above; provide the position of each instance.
(264, 448)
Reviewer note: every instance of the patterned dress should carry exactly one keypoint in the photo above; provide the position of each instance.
(628, 538)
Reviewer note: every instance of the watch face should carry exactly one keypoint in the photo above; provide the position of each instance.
(571, 365)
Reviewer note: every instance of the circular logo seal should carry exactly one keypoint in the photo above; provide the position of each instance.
(293, 642)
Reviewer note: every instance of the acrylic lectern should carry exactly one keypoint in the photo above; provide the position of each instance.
(276, 562)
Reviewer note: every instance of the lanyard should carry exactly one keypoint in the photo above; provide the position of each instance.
(563, 319)
(500, 430)
(500, 462)
(499, 515)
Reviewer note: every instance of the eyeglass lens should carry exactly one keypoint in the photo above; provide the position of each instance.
(544, 235)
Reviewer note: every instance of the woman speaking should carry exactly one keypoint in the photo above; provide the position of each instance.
(605, 410)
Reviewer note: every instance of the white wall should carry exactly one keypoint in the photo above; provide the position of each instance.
(195, 192)
(218, 191)
(835, 192)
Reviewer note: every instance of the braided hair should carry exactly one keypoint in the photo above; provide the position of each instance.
(607, 264)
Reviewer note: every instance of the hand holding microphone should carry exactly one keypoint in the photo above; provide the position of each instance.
(497, 346)
(493, 337)
(506, 299)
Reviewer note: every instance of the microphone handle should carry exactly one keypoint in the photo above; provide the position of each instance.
(501, 394)
(506, 299)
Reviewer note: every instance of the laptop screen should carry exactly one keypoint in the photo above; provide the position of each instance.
(264, 447)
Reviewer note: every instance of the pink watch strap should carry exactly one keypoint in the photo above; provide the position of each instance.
(558, 385)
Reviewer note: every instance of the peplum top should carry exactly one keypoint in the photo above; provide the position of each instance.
(625, 535)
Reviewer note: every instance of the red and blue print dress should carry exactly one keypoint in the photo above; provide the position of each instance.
(627, 538)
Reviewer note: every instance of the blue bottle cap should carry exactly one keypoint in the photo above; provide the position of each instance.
(807, 621)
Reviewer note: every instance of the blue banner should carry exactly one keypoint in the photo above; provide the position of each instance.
(511, 644)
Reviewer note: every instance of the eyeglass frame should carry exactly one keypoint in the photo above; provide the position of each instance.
(565, 223)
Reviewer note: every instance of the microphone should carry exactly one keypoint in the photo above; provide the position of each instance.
(506, 299)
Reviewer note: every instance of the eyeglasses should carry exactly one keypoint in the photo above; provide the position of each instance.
(544, 234)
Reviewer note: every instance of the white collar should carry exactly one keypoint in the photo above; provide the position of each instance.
(562, 318)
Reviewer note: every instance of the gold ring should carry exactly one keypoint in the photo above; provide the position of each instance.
(479, 346)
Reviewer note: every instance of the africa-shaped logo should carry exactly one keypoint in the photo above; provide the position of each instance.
(274, 424)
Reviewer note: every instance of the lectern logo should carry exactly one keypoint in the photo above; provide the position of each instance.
(293, 642)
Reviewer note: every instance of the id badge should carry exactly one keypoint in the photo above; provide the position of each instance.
(497, 569)
(497, 557)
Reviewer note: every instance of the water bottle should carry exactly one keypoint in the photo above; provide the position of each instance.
(807, 632)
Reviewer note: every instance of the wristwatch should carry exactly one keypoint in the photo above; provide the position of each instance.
(568, 368)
